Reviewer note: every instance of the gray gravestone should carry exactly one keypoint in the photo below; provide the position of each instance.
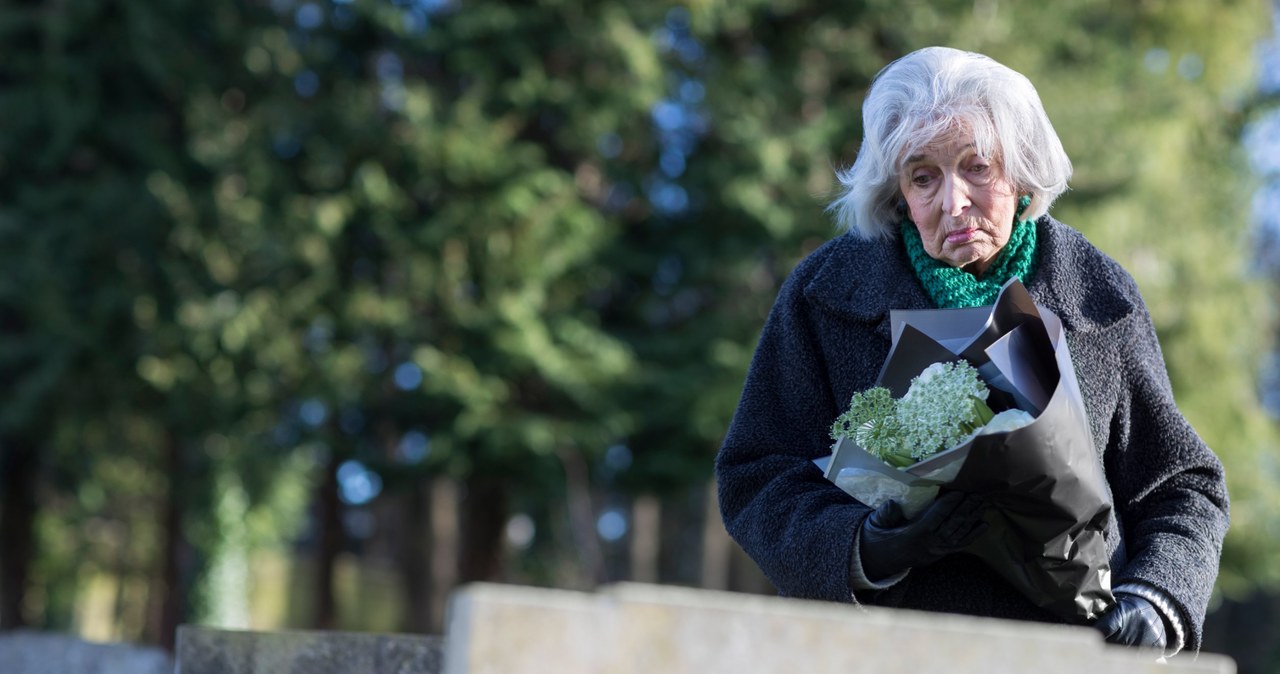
(24, 652)
(648, 629)
(210, 651)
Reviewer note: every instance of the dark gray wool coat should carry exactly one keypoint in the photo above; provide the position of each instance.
(827, 337)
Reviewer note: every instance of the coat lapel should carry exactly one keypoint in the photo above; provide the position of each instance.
(864, 280)
(1072, 281)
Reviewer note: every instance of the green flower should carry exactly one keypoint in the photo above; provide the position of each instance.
(872, 423)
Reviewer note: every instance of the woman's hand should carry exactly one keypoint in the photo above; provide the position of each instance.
(1133, 622)
(890, 543)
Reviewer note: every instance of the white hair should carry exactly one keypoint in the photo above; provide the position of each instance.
(928, 93)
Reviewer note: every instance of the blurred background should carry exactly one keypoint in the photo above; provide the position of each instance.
(312, 310)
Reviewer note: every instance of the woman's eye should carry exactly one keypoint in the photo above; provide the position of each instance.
(921, 179)
(981, 174)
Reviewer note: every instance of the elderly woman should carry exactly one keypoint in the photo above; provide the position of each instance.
(947, 201)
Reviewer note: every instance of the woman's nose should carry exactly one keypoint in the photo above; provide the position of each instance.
(955, 196)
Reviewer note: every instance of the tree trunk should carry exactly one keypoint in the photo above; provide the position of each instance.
(582, 518)
(746, 576)
(445, 544)
(415, 559)
(717, 547)
(328, 546)
(484, 518)
(646, 534)
(18, 474)
(166, 605)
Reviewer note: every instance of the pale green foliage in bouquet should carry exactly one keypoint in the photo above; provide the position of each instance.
(872, 422)
(944, 404)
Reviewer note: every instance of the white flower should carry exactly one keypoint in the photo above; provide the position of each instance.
(944, 404)
(1008, 420)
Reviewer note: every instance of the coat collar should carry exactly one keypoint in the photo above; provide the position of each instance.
(864, 280)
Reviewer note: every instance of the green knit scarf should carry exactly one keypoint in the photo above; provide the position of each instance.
(952, 288)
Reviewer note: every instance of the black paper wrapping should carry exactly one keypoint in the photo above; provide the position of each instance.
(1050, 501)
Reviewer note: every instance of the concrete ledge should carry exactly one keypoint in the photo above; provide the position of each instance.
(495, 629)
(203, 650)
(29, 652)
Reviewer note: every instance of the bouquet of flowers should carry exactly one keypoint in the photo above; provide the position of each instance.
(945, 405)
(929, 424)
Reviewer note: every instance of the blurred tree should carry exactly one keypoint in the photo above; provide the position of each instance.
(430, 188)
(119, 376)
(69, 345)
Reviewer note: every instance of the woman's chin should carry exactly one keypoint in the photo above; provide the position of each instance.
(974, 264)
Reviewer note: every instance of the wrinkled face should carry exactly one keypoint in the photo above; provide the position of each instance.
(960, 201)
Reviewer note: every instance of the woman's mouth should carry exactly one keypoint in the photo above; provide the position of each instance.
(962, 235)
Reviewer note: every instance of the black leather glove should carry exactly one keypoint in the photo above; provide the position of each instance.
(890, 543)
(1133, 622)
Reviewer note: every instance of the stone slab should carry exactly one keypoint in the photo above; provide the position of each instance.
(630, 628)
(203, 650)
(28, 652)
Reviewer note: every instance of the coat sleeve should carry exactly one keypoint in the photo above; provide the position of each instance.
(1169, 487)
(795, 524)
